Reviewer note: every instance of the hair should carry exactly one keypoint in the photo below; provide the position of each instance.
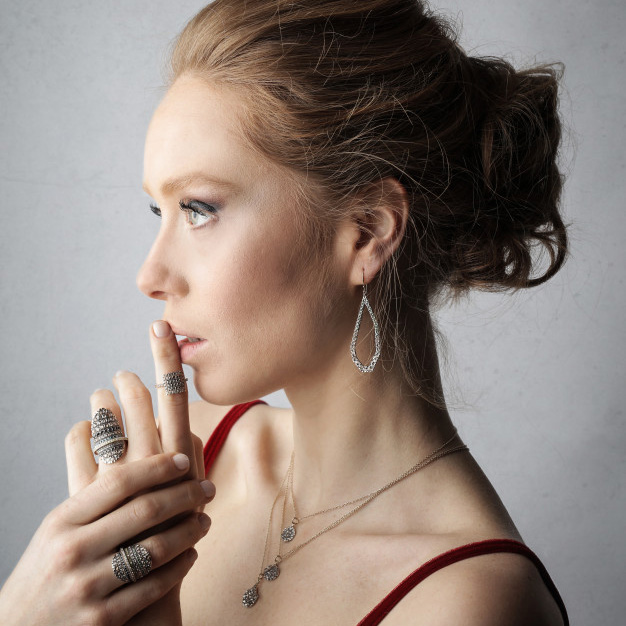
(353, 92)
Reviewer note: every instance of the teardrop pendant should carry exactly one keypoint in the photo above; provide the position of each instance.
(355, 358)
(271, 572)
(250, 597)
(288, 533)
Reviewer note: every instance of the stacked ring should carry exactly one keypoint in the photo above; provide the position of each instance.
(108, 439)
(131, 563)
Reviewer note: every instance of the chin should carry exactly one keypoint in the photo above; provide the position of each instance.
(226, 390)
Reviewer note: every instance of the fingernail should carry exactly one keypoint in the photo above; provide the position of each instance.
(118, 373)
(193, 555)
(208, 487)
(181, 461)
(205, 521)
(161, 329)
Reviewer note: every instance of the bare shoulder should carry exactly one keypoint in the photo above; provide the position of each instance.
(254, 446)
(486, 590)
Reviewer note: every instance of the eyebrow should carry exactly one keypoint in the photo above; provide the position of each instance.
(176, 184)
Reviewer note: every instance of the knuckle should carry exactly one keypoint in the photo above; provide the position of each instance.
(194, 494)
(76, 433)
(113, 481)
(97, 615)
(159, 585)
(135, 392)
(54, 520)
(158, 549)
(159, 466)
(145, 508)
(67, 555)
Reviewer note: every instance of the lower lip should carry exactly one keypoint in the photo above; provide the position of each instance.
(188, 349)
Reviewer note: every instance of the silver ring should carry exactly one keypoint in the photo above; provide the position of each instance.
(131, 563)
(109, 441)
(173, 382)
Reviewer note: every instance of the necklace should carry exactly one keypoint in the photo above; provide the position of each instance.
(271, 572)
(289, 533)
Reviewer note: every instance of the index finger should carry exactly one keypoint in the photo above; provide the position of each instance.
(173, 400)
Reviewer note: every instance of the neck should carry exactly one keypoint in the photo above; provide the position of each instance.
(355, 432)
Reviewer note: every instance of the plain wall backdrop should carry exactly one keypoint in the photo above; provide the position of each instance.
(536, 380)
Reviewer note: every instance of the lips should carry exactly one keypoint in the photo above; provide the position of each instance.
(183, 339)
(182, 336)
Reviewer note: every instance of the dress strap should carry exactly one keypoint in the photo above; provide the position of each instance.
(218, 437)
(489, 546)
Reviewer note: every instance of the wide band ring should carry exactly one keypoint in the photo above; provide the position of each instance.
(173, 382)
(131, 563)
(109, 441)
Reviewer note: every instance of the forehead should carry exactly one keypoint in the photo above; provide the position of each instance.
(197, 127)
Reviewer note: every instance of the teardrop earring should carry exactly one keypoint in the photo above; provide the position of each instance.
(365, 303)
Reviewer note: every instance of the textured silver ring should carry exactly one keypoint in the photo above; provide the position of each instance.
(131, 563)
(173, 382)
(109, 441)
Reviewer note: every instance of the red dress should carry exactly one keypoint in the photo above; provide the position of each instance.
(378, 613)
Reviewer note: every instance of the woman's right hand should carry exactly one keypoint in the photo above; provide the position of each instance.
(65, 576)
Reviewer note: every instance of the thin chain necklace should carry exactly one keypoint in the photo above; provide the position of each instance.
(271, 572)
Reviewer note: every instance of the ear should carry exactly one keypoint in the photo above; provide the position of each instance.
(375, 230)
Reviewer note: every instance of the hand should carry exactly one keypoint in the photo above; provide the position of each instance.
(65, 575)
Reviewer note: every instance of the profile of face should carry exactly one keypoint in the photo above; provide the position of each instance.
(224, 261)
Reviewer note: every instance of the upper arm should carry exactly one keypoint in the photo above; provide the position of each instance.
(489, 590)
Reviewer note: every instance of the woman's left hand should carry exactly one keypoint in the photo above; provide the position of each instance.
(146, 437)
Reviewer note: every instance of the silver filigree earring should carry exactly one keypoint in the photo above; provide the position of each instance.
(365, 303)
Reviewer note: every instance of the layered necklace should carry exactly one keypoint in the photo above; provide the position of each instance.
(271, 571)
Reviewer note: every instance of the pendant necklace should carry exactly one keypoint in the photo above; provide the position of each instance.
(272, 571)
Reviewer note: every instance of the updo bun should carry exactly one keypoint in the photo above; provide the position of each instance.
(516, 183)
(352, 92)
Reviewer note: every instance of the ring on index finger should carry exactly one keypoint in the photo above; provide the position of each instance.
(173, 382)
(109, 441)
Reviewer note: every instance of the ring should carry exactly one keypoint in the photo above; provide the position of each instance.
(174, 382)
(131, 563)
(109, 441)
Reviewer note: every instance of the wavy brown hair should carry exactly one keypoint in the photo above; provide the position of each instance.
(351, 92)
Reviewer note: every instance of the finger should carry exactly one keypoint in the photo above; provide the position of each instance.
(104, 399)
(134, 597)
(174, 408)
(146, 511)
(141, 430)
(198, 451)
(112, 488)
(163, 547)
(81, 466)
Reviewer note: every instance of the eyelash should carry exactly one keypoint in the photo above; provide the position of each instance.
(189, 207)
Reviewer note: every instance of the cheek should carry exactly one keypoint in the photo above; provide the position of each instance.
(263, 318)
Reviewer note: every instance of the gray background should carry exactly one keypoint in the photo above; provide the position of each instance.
(536, 380)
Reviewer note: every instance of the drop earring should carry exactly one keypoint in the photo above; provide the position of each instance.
(365, 303)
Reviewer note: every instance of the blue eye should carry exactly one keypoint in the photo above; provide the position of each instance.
(197, 213)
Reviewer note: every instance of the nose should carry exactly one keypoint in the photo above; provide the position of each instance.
(158, 278)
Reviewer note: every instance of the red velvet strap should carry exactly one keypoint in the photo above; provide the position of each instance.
(490, 546)
(218, 437)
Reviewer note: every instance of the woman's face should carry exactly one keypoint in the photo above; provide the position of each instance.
(226, 266)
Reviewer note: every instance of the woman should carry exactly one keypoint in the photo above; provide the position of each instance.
(326, 174)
